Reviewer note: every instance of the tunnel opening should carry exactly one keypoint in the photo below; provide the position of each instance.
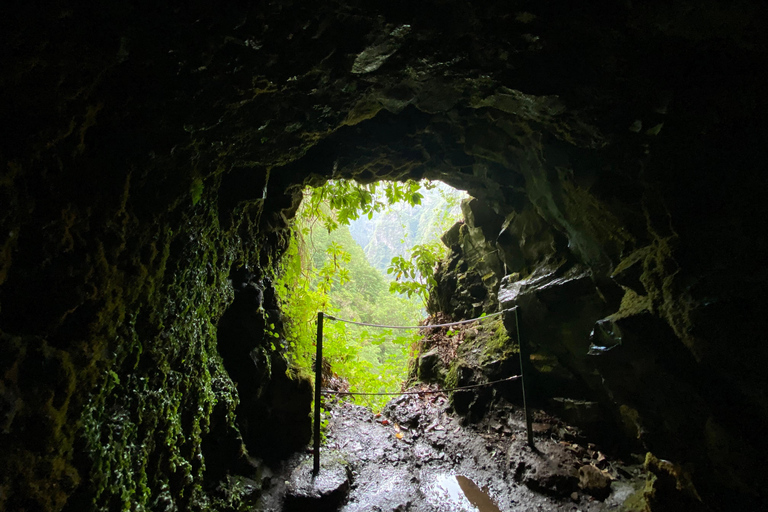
(366, 253)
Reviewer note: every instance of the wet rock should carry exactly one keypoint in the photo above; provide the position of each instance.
(429, 364)
(468, 280)
(594, 481)
(324, 492)
(391, 475)
(630, 269)
(605, 336)
(374, 56)
(669, 487)
(578, 412)
(552, 481)
(555, 475)
(451, 237)
(405, 410)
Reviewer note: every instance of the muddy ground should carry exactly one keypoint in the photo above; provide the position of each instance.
(418, 456)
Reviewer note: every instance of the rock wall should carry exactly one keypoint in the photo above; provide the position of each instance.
(152, 160)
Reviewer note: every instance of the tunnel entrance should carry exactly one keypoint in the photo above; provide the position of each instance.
(364, 252)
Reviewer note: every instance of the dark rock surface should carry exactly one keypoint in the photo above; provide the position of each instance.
(149, 150)
(416, 454)
(594, 481)
(468, 281)
(325, 491)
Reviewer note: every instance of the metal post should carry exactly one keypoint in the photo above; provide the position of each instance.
(526, 410)
(318, 383)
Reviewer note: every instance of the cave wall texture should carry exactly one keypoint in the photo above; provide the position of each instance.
(153, 156)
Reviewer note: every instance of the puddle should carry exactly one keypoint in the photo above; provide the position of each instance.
(459, 493)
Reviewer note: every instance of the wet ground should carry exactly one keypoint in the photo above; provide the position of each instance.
(417, 456)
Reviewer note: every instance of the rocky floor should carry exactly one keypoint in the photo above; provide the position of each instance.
(417, 456)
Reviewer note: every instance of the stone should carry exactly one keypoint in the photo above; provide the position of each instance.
(429, 364)
(580, 413)
(553, 474)
(373, 57)
(451, 237)
(324, 492)
(594, 482)
(605, 336)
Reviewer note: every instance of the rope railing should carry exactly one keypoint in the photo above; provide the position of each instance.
(318, 372)
(434, 326)
(424, 392)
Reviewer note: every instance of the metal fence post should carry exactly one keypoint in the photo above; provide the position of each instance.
(526, 409)
(318, 384)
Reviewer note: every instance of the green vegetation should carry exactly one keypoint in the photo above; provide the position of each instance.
(325, 269)
(395, 230)
(415, 275)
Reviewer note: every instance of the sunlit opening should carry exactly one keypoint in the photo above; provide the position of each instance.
(364, 253)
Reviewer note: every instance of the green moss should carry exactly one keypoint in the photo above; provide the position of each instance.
(121, 411)
(485, 342)
(196, 190)
(144, 426)
(667, 488)
(497, 344)
(365, 109)
(452, 377)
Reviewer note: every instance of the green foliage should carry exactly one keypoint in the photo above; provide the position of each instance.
(415, 275)
(340, 201)
(373, 360)
(395, 230)
(326, 270)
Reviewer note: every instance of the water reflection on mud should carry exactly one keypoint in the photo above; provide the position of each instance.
(458, 493)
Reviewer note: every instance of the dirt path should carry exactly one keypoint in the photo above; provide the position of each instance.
(416, 456)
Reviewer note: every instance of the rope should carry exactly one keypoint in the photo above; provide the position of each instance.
(329, 317)
(429, 392)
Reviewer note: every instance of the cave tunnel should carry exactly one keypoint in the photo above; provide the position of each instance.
(154, 156)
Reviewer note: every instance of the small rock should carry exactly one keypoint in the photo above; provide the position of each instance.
(594, 481)
(552, 478)
(429, 363)
(326, 491)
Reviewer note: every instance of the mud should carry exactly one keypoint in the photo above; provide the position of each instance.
(418, 456)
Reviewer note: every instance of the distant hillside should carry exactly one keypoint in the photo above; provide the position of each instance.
(394, 232)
